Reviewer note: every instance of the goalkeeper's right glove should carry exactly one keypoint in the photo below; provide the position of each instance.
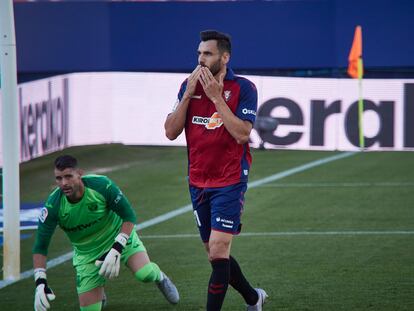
(43, 293)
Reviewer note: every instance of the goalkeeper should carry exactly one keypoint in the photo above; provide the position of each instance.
(99, 222)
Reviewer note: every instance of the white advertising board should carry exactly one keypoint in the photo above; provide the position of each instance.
(130, 108)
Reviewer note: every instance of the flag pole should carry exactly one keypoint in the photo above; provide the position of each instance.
(360, 106)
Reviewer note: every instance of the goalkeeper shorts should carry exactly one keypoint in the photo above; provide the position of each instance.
(87, 275)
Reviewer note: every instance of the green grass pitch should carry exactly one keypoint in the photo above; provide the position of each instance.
(339, 236)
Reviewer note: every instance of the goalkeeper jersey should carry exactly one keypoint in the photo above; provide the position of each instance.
(90, 224)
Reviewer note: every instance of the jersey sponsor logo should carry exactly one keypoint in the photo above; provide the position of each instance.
(225, 222)
(218, 219)
(227, 95)
(81, 226)
(215, 121)
(196, 97)
(210, 123)
(248, 111)
(43, 214)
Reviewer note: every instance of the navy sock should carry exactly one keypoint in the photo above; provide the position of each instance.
(219, 281)
(239, 283)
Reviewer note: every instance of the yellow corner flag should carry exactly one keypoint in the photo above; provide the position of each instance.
(355, 68)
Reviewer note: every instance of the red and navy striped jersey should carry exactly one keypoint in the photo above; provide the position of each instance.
(215, 159)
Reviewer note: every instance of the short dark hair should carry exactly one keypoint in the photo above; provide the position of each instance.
(223, 39)
(65, 161)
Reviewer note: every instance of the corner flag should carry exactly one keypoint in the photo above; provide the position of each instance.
(356, 71)
(355, 67)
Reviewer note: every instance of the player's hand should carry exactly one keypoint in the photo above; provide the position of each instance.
(192, 81)
(110, 262)
(212, 87)
(44, 293)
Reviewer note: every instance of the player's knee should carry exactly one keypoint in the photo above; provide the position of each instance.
(94, 307)
(218, 249)
(148, 273)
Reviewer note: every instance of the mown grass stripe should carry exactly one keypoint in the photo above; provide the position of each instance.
(162, 218)
(286, 233)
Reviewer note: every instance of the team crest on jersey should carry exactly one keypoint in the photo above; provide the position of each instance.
(227, 95)
(43, 214)
(210, 123)
(92, 207)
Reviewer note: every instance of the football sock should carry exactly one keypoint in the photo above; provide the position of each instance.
(219, 281)
(149, 273)
(93, 307)
(239, 283)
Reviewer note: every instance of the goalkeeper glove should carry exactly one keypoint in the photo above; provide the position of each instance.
(110, 261)
(43, 293)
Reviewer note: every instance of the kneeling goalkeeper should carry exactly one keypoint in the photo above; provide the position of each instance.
(99, 222)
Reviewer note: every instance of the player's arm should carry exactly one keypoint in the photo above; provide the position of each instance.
(46, 227)
(44, 294)
(39, 261)
(175, 122)
(238, 128)
(110, 262)
(127, 228)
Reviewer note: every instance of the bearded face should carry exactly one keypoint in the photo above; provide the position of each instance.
(70, 182)
(209, 56)
(215, 67)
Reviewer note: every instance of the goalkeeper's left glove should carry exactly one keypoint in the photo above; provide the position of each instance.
(110, 262)
(43, 293)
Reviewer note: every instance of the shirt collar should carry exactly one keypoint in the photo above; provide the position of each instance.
(229, 74)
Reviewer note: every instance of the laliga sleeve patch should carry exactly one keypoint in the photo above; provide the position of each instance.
(175, 105)
(118, 197)
(43, 214)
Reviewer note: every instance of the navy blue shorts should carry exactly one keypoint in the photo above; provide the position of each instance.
(218, 209)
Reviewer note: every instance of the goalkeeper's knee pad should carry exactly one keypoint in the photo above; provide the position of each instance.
(149, 273)
(94, 307)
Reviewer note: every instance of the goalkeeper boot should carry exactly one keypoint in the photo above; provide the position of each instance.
(168, 289)
(260, 302)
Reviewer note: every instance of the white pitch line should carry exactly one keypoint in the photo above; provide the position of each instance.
(61, 259)
(286, 233)
(104, 170)
(251, 185)
(28, 273)
(338, 185)
(299, 169)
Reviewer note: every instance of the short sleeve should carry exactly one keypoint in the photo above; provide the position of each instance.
(247, 107)
(180, 95)
(182, 90)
